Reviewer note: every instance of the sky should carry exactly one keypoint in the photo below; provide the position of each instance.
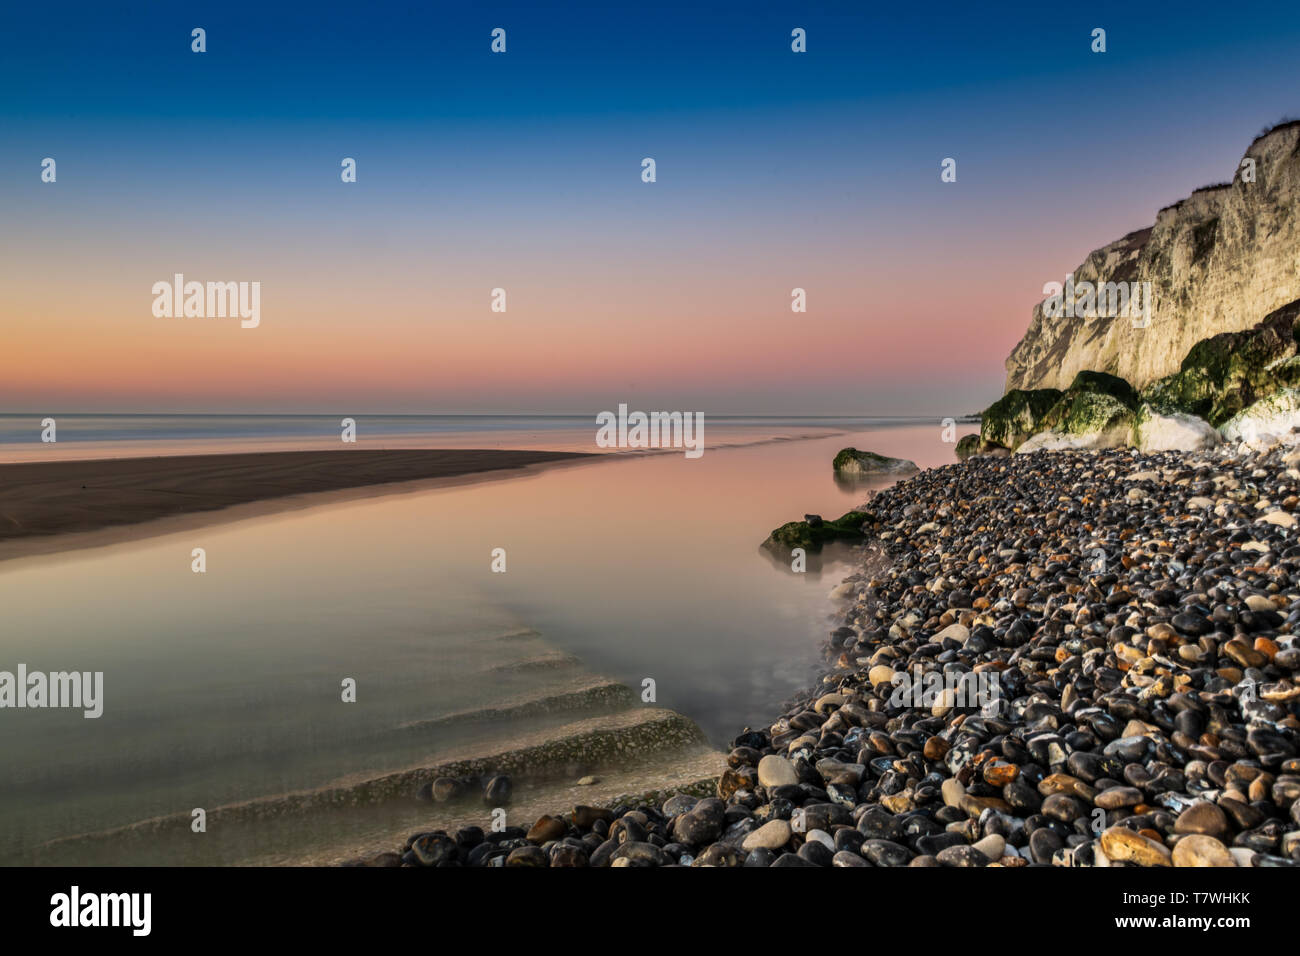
(522, 170)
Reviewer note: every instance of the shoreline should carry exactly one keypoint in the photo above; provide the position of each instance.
(307, 503)
(47, 509)
(149, 507)
(1133, 616)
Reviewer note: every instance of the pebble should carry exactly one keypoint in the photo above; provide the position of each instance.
(498, 790)
(770, 836)
(1202, 817)
(774, 771)
(1125, 845)
(1198, 850)
(547, 828)
(992, 846)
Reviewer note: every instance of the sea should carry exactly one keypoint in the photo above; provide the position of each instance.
(434, 601)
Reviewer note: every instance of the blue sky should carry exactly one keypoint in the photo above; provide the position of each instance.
(821, 165)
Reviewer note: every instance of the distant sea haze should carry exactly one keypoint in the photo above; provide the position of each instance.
(90, 435)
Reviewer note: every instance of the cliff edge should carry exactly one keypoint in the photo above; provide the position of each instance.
(1216, 262)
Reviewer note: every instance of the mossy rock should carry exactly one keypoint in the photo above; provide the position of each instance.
(1230, 371)
(850, 461)
(968, 445)
(1095, 401)
(812, 535)
(1015, 416)
(1086, 413)
(1103, 383)
(1266, 419)
(1286, 373)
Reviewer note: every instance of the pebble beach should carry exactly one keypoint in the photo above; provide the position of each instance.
(1127, 619)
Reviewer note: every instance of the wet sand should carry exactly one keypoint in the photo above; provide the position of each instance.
(40, 500)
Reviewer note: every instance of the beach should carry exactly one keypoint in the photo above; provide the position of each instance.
(1049, 659)
(64, 497)
(1055, 659)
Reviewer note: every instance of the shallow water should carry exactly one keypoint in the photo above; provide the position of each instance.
(225, 686)
(23, 437)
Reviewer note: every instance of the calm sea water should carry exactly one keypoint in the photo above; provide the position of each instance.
(105, 436)
(225, 686)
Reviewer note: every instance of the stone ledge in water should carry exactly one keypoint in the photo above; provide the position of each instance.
(595, 743)
(597, 694)
(851, 462)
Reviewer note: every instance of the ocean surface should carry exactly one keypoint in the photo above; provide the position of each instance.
(225, 686)
(109, 436)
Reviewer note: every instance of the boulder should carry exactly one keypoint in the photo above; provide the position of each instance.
(814, 534)
(1063, 441)
(853, 463)
(972, 446)
(1226, 373)
(1266, 419)
(1175, 431)
(1015, 416)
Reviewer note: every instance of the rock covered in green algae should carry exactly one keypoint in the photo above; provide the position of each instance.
(968, 446)
(1015, 416)
(814, 531)
(1226, 373)
(1096, 411)
(1268, 418)
(1094, 403)
(852, 463)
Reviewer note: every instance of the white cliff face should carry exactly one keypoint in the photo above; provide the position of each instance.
(1218, 261)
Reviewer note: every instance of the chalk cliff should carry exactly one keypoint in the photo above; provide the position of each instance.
(1218, 261)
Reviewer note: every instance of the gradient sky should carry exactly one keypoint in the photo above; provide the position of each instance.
(522, 170)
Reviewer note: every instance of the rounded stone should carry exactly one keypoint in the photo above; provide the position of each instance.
(770, 836)
(1196, 849)
(1125, 845)
(776, 771)
(1202, 817)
